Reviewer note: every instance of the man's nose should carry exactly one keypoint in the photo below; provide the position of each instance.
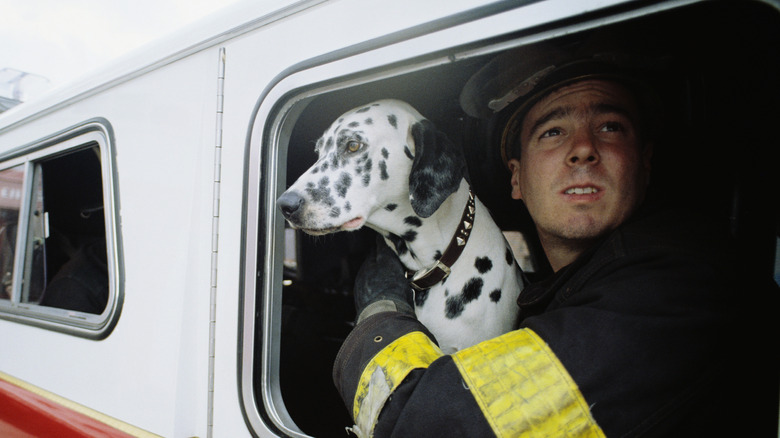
(583, 149)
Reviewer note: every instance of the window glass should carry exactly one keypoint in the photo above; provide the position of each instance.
(10, 203)
(66, 249)
(58, 242)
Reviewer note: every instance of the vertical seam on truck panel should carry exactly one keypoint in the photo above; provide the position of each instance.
(215, 237)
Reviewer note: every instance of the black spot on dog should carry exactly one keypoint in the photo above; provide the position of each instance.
(408, 153)
(393, 120)
(347, 206)
(366, 179)
(385, 154)
(354, 124)
(509, 257)
(369, 164)
(369, 121)
(409, 236)
(383, 171)
(471, 291)
(324, 166)
(398, 243)
(453, 307)
(437, 256)
(420, 296)
(341, 120)
(321, 193)
(483, 264)
(343, 184)
(334, 211)
(315, 170)
(495, 296)
(391, 207)
(413, 220)
(364, 109)
(329, 143)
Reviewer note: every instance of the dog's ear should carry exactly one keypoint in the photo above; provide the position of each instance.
(437, 169)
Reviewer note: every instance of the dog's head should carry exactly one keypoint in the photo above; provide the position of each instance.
(373, 158)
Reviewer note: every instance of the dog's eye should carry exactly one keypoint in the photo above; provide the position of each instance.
(354, 146)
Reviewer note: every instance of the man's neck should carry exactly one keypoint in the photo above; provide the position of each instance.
(562, 252)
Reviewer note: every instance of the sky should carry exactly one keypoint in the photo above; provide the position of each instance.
(60, 40)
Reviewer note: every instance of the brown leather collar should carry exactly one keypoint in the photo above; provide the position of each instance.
(428, 277)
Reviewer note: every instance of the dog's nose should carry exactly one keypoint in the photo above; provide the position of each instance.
(290, 203)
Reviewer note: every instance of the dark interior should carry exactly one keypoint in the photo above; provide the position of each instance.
(73, 267)
(718, 73)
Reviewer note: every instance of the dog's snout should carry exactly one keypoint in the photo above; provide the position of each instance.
(290, 203)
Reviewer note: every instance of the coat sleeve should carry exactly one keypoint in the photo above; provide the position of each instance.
(396, 382)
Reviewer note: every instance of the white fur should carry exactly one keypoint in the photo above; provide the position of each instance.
(480, 319)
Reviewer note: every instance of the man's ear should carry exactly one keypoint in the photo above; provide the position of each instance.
(514, 167)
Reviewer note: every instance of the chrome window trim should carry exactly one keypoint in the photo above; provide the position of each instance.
(95, 131)
(277, 110)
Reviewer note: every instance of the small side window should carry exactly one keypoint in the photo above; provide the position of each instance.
(57, 244)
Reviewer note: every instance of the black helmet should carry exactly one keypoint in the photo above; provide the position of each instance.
(505, 88)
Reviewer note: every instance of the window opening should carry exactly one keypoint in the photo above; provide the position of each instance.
(58, 247)
(66, 246)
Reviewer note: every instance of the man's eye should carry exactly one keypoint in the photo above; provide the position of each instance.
(612, 127)
(551, 133)
(354, 146)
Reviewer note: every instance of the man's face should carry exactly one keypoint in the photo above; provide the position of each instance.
(582, 170)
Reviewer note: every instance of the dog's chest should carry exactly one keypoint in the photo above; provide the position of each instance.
(476, 301)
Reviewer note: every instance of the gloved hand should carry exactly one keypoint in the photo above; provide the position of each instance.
(381, 285)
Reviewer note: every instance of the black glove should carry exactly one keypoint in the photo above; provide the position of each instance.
(381, 284)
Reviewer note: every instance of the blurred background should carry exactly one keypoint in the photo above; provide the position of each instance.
(47, 43)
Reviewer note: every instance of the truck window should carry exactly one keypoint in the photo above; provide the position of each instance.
(55, 241)
(305, 298)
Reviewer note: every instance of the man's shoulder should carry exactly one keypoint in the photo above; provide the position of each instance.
(673, 230)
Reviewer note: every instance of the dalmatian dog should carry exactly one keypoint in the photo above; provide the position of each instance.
(385, 166)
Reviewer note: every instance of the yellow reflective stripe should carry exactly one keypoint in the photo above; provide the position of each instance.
(396, 361)
(523, 389)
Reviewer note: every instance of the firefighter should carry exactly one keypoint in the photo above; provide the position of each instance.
(636, 331)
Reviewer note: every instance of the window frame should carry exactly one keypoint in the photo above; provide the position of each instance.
(275, 114)
(95, 132)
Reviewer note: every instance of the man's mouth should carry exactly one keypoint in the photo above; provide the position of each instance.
(581, 190)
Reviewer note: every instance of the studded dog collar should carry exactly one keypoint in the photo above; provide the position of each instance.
(428, 277)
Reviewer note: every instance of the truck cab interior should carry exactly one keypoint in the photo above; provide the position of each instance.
(717, 68)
